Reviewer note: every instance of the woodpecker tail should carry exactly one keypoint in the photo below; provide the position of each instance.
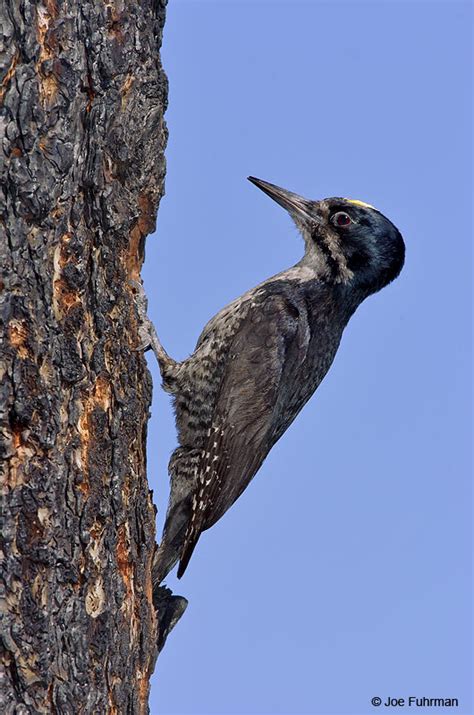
(177, 537)
(165, 558)
(174, 534)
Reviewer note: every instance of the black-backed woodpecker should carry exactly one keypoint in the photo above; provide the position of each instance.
(259, 360)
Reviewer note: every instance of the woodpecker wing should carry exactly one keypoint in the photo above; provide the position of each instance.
(269, 344)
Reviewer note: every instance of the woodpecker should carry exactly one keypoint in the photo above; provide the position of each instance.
(259, 360)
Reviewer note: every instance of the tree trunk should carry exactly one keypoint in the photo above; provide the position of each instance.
(83, 95)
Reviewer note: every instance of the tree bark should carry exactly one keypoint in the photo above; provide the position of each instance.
(83, 96)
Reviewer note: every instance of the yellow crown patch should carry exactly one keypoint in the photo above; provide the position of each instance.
(361, 203)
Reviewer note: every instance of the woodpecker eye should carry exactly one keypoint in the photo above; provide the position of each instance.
(341, 219)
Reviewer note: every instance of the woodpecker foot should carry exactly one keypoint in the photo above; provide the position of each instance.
(169, 609)
(146, 331)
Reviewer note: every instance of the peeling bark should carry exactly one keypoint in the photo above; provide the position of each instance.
(83, 96)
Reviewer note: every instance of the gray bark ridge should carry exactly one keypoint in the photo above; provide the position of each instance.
(82, 96)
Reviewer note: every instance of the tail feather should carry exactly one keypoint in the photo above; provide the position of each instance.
(179, 533)
(165, 558)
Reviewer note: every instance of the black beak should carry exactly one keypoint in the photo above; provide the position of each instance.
(297, 206)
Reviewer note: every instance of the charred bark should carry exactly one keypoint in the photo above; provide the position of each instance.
(83, 95)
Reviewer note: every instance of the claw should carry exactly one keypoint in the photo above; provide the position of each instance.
(147, 333)
(145, 323)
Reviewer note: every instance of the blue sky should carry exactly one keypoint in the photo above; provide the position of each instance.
(343, 572)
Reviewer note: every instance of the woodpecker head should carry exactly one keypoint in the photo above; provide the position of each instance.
(347, 241)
